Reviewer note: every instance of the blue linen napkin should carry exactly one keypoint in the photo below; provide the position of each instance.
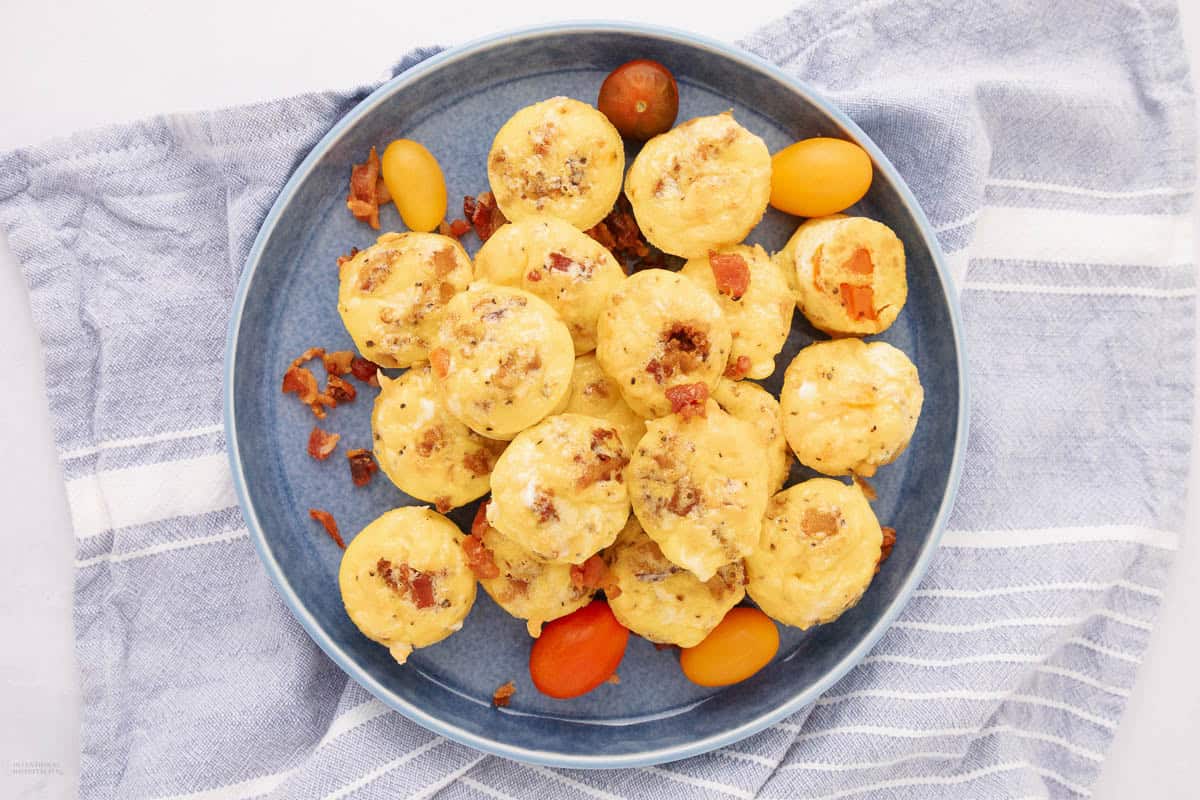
(1052, 150)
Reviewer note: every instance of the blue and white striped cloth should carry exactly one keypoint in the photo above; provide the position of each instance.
(1053, 150)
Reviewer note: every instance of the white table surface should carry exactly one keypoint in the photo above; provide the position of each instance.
(70, 64)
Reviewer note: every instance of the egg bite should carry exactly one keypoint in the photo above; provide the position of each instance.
(850, 407)
(662, 601)
(594, 394)
(559, 157)
(391, 295)
(559, 488)
(554, 260)
(757, 302)
(751, 403)
(659, 330)
(424, 449)
(700, 186)
(699, 487)
(405, 582)
(819, 549)
(848, 272)
(502, 360)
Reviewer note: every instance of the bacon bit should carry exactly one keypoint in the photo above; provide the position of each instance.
(341, 260)
(867, 489)
(329, 523)
(594, 574)
(609, 462)
(885, 548)
(597, 388)
(459, 228)
(860, 263)
(731, 273)
(559, 261)
(479, 525)
(442, 504)
(484, 214)
(503, 696)
(518, 587)
(321, 443)
(614, 679)
(365, 370)
(738, 368)
(362, 466)
(689, 400)
(684, 499)
(480, 462)
(819, 523)
(309, 355)
(432, 439)
(338, 363)
(301, 381)
(480, 558)
(543, 506)
(684, 348)
(367, 192)
(444, 262)
(439, 359)
(534, 276)
(859, 301)
(395, 579)
(339, 391)
(619, 234)
(422, 589)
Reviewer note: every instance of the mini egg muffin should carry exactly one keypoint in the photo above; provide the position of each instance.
(751, 403)
(557, 262)
(405, 581)
(849, 274)
(559, 488)
(819, 549)
(527, 587)
(595, 394)
(659, 330)
(850, 407)
(757, 302)
(559, 157)
(700, 186)
(426, 451)
(699, 488)
(392, 294)
(502, 360)
(663, 602)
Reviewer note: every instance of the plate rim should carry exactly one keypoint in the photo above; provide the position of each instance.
(414, 712)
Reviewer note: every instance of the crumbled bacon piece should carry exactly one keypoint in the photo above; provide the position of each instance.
(432, 439)
(885, 548)
(367, 191)
(561, 262)
(480, 558)
(442, 504)
(329, 523)
(439, 359)
(338, 363)
(484, 214)
(365, 370)
(543, 506)
(860, 263)
(619, 234)
(301, 381)
(308, 355)
(738, 368)
(339, 391)
(479, 525)
(819, 523)
(867, 489)
(422, 589)
(503, 695)
(731, 273)
(396, 578)
(455, 229)
(594, 574)
(685, 347)
(610, 460)
(321, 443)
(688, 400)
(480, 462)
(362, 466)
(533, 276)
(859, 301)
(684, 499)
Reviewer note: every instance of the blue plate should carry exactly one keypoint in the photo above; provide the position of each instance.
(454, 103)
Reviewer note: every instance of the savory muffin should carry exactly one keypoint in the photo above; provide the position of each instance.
(559, 488)
(849, 274)
(751, 403)
(660, 330)
(426, 451)
(757, 302)
(661, 601)
(700, 186)
(392, 294)
(554, 260)
(502, 360)
(819, 549)
(595, 394)
(405, 581)
(699, 487)
(559, 157)
(850, 407)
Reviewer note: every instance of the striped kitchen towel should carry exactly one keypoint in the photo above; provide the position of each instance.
(1053, 151)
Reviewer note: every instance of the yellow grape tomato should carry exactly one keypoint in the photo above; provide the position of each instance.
(414, 180)
(818, 177)
(742, 644)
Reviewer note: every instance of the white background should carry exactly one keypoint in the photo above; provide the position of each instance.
(66, 65)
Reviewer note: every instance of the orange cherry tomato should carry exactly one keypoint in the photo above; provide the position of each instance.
(640, 98)
(742, 644)
(578, 652)
(818, 177)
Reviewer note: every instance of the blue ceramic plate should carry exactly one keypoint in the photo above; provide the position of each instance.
(454, 103)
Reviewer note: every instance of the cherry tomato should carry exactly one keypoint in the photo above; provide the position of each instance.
(640, 98)
(578, 652)
(414, 180)
(818, 177)
(742, 644)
